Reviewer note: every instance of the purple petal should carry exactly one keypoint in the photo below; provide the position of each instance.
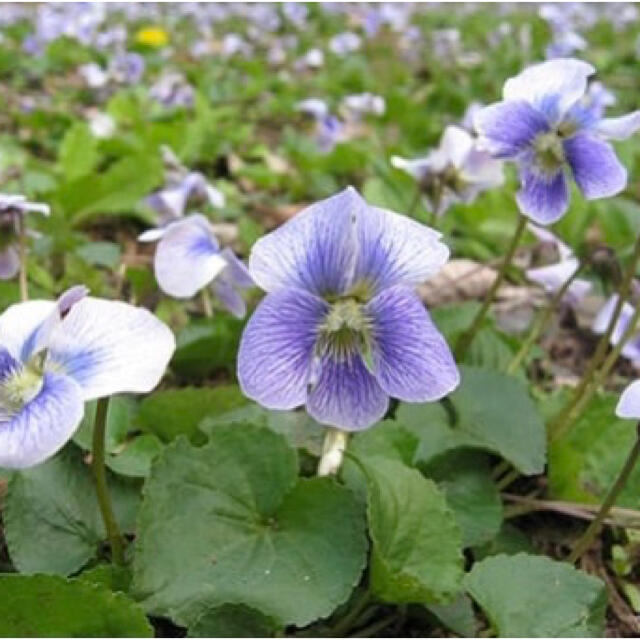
(346, 395)
(596, 168)
(9, 262)
(276, 349)
(393, 249)
(619, 128)
(188, 257)
(542, 197)
(230, 299)
(237, 270)
(553, 87)
(43, 425)
(507, 128)
(411, 359)
(629, 403)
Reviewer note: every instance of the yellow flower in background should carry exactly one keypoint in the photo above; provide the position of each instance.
(152, 36)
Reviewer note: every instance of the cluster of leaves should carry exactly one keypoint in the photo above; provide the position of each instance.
(229, 532)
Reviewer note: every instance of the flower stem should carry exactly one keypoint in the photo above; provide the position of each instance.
(564, 419)
(335, 443)
(359, 605)
(207, 309)
(598, 378)
(465, 340)
(541, 322)
(415, 202)
(22, 255)
(100, 476)
(594, 528)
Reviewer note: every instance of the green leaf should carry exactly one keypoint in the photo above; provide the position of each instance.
(247, 531)
(490, 411)
(175, 412)
(417, 550)
(52, 520)
(465, 478)
(51, 606)
(78, 152)
(233, 621)
(101, 254)
(534, 596)
(457, 616)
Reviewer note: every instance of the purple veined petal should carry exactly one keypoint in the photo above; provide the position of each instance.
(629, 403)
(187, 257)
(276, 349)
(43, 425)
(314, 251)
(596, 168)
(546, 236)
(505, 129)
(543, 197)
(553, 87)
(229, 297)
(20, 322)
(9, 262)
(394, 249)
(111, 347)
(152, 235)
(8, 365)
(236, 270)
(346, 395)
(552, 277)
(411, 359)
(456, 144)
(618, 128)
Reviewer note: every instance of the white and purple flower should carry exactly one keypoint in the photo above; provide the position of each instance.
(457, 171)
(55, 356)
(13, 208)
(631, 348)
(629, 403)
(188, 258)
(543, 125)
(341, 328)
(552, 277)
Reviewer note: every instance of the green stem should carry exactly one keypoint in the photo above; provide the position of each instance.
(541, 322)
(100, 476)
(598, 378)
(22, 254)
(507, 479)
(415, 202)
(345, 624)
(567, 414)
(594, 528)
(465, 340)
(375, 627)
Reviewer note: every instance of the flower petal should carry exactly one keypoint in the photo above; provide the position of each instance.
(43, 425)
(111, 347)
(9, 262)
(20, 322)
(230, 298)
(552, 86)
(507, 128)
(276, 349)
(187, 257)
(236, 270)
(629, 403)
(456, 144)
(346, 395)
(417, 168)
(411, 359)
(152, 235)
(314, 251)
(596, 168)
(393, 249)
(553, 276)
(542, 197)
(618, 128)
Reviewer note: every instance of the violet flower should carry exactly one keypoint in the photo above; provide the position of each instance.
(631, 349)
(553, 276)
(188, 258)
(629, 402)
(542, 125)
(55, 356)
(13, 208)
(457, 171)
(341, 328)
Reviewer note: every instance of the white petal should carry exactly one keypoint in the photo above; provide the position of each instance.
(552, 86)
(19, 323)
(629, 403)
(619, 128)
(152, 235)
(456, 144)
(111, 347)
(417, 168)
(188, 257)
